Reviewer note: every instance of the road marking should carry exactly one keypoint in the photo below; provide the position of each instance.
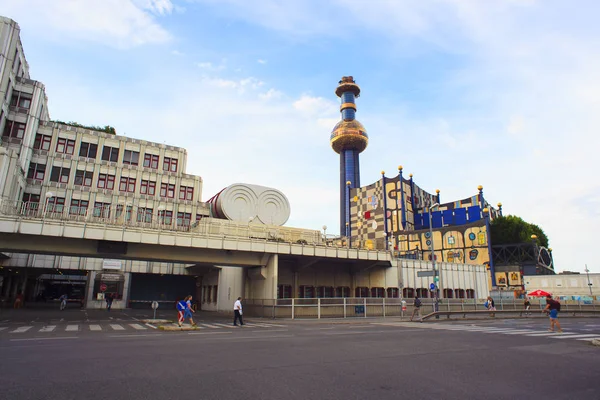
(137, 326)
(151, 326)
(22, 329)
(549, 334)
(46, 338)
(134, 335)
(266, 324)
(48, 328)
(210, 333)
(223, 325)
(517, 332)
(3, 328)
(95, 328)
(574, 336)
(319, 329)
(210, 326)
(274, 330)
(590, 338)
(117, 327)
(71, 328)
(255, 337)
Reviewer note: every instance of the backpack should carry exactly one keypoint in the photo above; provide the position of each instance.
(181, 305)
(417, 302)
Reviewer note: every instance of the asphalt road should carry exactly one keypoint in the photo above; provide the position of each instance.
(318, 360)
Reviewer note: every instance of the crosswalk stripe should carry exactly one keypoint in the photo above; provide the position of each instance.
(211, 326)
(223, 325)
(72, 328)
(95, 328)
(48, 328)
(3, 328)
(22, 329)
(574, 336)
(589, 339)
(117, 327)
(137, 326)
(541, 334)
(267, 325)
(518, 332)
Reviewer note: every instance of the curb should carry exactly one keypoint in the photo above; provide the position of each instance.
(596, 342)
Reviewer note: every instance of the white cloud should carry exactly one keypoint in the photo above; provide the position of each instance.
(315, 106)
(177, 53)
(270, 94)
(117, 23)
(260, 61)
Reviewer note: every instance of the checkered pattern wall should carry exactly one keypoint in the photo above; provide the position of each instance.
(367, 216)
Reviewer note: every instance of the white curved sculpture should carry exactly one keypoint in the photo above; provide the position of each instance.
(244, 202)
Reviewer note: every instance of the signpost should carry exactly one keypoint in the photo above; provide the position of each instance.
(432, 287)
(154, 307)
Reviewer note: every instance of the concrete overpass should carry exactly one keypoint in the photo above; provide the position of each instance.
(266, 251)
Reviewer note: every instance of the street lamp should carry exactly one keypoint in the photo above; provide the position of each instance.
(435, 276)
(587, 271)
(49, 195)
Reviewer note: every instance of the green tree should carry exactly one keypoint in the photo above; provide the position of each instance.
(512, 229)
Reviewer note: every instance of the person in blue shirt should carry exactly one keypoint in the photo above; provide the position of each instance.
(184, 311)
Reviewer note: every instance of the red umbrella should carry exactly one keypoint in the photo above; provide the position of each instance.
(538, 293)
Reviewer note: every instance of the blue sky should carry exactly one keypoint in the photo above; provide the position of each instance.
(461, 93)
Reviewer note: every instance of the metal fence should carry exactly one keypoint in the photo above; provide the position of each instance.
(321, 308)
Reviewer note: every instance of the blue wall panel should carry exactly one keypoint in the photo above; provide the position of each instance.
(460, 216)
(474, 213)
(436, 219)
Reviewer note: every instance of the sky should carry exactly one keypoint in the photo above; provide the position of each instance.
(503, 94)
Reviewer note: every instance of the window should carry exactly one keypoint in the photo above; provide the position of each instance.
(214, 293)
(184, 219)
(110, 154)
(83, 178)
(56, 204)
(165, 217)
(88, 150)
(131, 157)
(151, 161)
(42, 142)
(119, 212)
(20, 99)
(14, 129)
(186, 193)
(106, 181)
(31, 198)
(36, 171)
(127, 184)
(60, 174)
(144, 215)
(167, 190)
(101, 209)
(284, 291)
(148, 187)
(78, 207)
(170, 164)
(66, 146)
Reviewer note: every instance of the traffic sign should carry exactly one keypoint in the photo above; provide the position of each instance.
(432, 286)
(154, 305)
(421, 274)
(436, 278)
(103, 287)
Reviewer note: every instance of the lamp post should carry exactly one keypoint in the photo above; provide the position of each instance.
(431, 238)
(347, 234)
(435, 276)
(49, 195)
(325, 234)
(587, 272)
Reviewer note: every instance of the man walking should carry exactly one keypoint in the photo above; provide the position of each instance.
(417, 308)
(63, 302)
(237, 312)
(552, 308)
(109, 301)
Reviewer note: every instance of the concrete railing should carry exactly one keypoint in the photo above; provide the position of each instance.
(319, 308)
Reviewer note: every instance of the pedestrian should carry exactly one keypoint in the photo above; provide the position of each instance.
(417, 308)
(63, 302)
(18, 301)
(527, 305)
(189, 310)
(491, 305)
(552, 308)
(109, 301)
(184, 311)
(237, 312)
